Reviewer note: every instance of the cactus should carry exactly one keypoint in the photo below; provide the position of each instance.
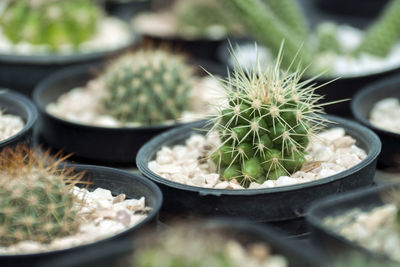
(327, 38)
(50, 22)
(36, 203)
(289, 12)
(202, 18)
(267, 125)
(267, 28)
(384, 32)
(148, 87)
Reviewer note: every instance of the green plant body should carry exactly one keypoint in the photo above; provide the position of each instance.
(203, 18)
(50, 22)
(327, 38)
(36, 202)
(267, 125)
(148, 86)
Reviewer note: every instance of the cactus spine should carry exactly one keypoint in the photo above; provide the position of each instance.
(267, 125)
(148, 87)
(50, 22)
(36, 202)
(382, 34)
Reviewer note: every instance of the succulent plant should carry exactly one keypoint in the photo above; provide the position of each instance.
(327, 38)
(36, 203)
(267, 125)
(384, 32)
(203, 18)
(149, 86)
(50, 22)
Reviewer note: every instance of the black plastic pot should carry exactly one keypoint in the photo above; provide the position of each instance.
(17, 104)
(361, 107)
(335, 245)
(105, 145)
(279, 205)
(24, 72)
(117, 181)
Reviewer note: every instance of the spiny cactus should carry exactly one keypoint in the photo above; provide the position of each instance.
(50, 22)
(328, 38)
(267, 125)
(203, 18)
(36, 203)
(148, 86)
(384, 33)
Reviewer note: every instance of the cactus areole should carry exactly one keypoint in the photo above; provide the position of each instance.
(267, 124)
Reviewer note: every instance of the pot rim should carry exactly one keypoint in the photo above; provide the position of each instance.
(81, 167)
(145, 150)
(314, 221)
(68, 72)
(29, 107)
(371, 89)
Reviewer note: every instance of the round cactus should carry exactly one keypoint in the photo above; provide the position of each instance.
(148, 87)
(50, 22)
(36, 203)
(266, 127)
(327, 33)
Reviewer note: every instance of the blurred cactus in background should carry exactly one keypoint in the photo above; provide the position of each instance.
(50, 22)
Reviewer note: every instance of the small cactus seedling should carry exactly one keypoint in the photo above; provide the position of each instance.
(148, 87)
(50, 22)
(36, 203)
(267, 125)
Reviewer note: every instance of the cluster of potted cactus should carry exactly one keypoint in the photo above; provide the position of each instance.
(252, 143)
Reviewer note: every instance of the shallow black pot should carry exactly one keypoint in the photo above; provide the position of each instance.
(361, 107)
(335, 245)
(17, 104)
(117, 181)
(108, 146)
(272, 205)
(24, 72)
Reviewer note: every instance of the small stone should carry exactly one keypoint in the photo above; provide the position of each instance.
(285, 180)
(222, 185)
(119, 198)
(123, 217)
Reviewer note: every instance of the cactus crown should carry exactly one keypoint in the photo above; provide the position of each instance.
(50, 22)
(36, 202)
(267, 125)
(149, 86)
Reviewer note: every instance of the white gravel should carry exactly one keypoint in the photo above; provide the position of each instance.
(385, 114)
(104, 216)
(9, 125)
(83, 105)
(331, 152)
(112, 34)
(375, 230)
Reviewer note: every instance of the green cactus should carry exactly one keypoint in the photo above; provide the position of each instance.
(50, 22)
(267, 125)
(327, 38)
(36, 204)
(148, 87)
(203, 18)
(290, 13)
(383, 33)
(270, 30)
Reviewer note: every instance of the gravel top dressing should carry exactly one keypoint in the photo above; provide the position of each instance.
(386, 114)
(330, 152)
(103, 216)
(375, 230)
(9, 125)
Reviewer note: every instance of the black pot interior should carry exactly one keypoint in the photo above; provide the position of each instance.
(15, 106)
(366, 99)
